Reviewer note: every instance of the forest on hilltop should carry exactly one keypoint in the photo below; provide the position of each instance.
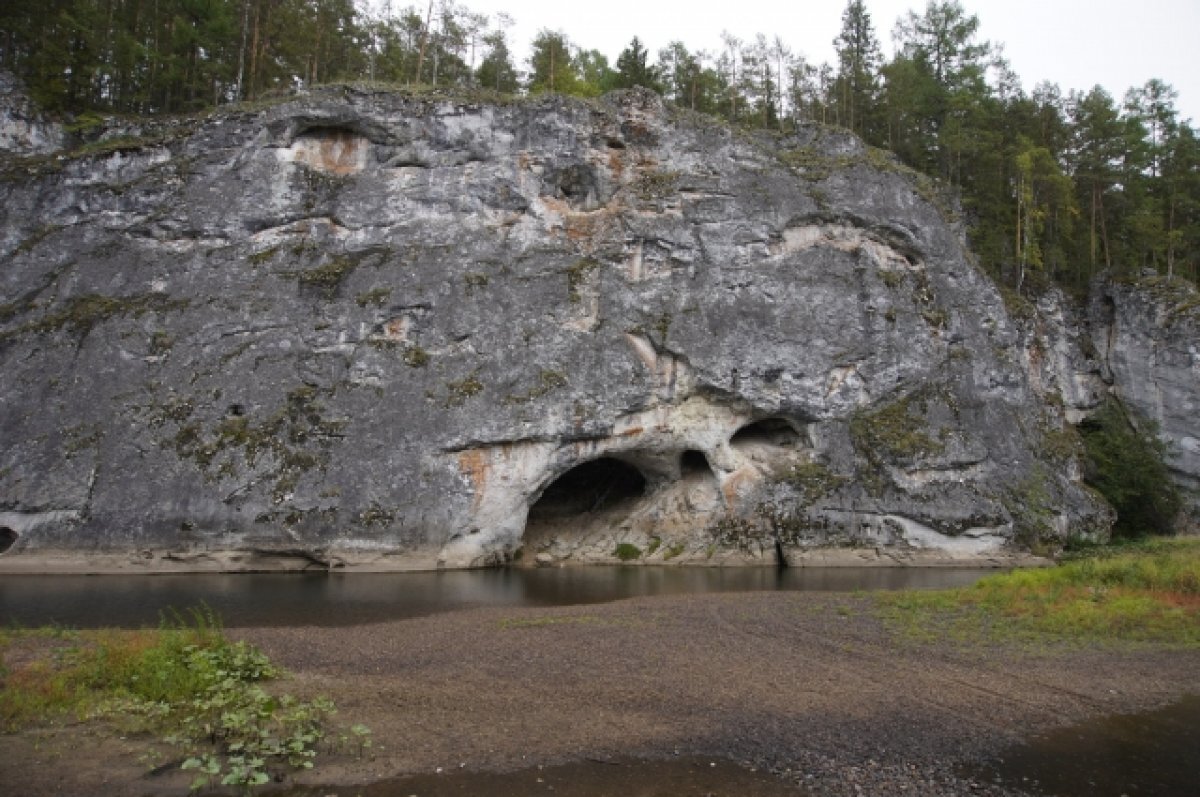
(1056, 186)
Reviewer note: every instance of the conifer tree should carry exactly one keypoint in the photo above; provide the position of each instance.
(496, 71)
(634, 69)
(553, 67)
(859, 59)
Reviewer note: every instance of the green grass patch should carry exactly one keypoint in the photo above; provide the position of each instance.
(675, 550)
(627, 552)
(1148, 593)
(185, 686)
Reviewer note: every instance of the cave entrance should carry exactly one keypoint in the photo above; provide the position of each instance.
(595, 486)
(693, 463)
(777, 432)
(7, 538)
(590, 496)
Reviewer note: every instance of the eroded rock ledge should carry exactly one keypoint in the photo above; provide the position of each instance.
(368, 327)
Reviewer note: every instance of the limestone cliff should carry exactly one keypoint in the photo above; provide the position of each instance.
(24, 129)
(363, 326)
(1147, 340)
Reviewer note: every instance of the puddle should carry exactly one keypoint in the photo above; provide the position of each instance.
(692, 776)
(1153, 754)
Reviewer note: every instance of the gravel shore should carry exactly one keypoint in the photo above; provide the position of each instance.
(812, 687)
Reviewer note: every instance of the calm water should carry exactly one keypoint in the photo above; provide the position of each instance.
(1153, 754)
(246, 599)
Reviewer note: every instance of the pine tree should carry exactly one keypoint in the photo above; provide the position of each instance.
(553, 65)
(496, 71)
(1096, 155)
(1181, 178)
(938, 77)
(595, 75)
(633, 68)
(859, 59)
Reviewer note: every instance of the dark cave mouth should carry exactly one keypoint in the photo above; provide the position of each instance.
(778, 432)
(694, 464)
(600, 485)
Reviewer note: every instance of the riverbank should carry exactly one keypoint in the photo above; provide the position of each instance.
(818, 688)
(159, 562)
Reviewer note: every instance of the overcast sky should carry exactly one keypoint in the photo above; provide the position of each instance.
(1075, 44)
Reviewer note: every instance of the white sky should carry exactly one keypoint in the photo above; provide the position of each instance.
(1076, 44)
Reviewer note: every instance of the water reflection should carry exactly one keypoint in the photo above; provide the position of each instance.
(1154, 754)
(245, 599)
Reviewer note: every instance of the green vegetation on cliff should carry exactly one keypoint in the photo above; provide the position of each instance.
(1126, 464)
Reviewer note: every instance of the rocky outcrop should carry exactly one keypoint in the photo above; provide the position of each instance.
(1058, 353)
(25, 130)
(428, 332)
(1147, 337)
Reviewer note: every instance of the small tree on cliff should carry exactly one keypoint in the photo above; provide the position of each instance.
(633, 68)
(553, 66)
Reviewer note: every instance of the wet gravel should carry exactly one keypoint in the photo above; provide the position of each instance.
(810, 686)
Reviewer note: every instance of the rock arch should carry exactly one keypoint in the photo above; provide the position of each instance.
(591, 496)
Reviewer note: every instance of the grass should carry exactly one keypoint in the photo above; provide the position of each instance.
(627, 552)
(1147, 592)
(184, 685)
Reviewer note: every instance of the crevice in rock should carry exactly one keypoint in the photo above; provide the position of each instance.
(1108, 319)
(898, 237)
(775, 432)
(577, 184)
(8, 538)
(336, 151)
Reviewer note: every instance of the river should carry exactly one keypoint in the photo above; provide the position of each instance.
(332, 599)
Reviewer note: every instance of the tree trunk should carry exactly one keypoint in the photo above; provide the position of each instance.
(424, 40)
(1092, 231)
(1017, 238)
(1171, 237)
(241, 69)
(1104, 235)
(254, 57)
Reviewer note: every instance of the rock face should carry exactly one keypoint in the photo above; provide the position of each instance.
(23, 129)
(1147, 339)
(430, 332)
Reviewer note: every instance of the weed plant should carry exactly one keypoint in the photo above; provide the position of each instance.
(627, 552)
(1148, 592)
(186, 685)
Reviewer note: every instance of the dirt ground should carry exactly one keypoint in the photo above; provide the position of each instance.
(809, 686)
